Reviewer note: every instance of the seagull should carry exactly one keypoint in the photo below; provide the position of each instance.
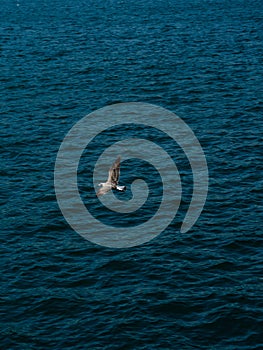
(113, 178)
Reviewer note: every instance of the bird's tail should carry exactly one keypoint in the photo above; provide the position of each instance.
(121, 188)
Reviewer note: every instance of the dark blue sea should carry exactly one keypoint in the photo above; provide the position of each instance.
(61, 60)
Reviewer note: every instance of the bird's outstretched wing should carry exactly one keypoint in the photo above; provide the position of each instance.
(114, 173)
(103, 190)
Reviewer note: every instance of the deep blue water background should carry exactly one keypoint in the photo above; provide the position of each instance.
(61, 60)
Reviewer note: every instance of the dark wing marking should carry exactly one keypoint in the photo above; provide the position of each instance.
(114, 172)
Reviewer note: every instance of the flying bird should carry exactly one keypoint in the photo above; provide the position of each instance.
(113, 179)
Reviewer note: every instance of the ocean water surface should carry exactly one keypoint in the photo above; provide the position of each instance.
(59, 61)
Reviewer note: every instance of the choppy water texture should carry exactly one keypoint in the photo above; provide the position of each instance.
(62, 60)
